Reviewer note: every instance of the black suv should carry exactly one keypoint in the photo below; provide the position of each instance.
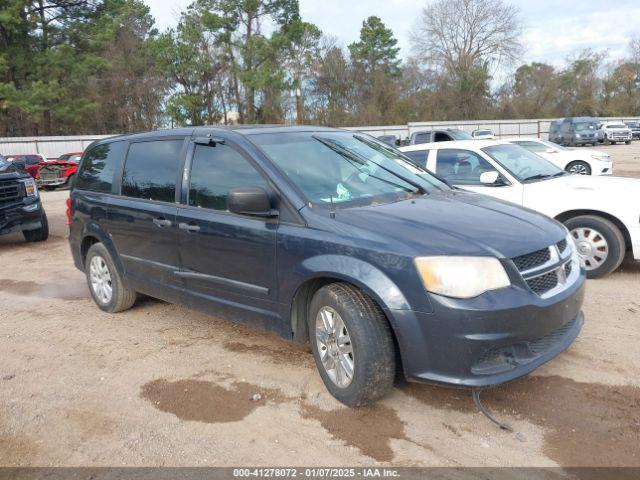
(331, 237)
(20, 206)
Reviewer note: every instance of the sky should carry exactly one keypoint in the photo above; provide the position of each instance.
(553, 29)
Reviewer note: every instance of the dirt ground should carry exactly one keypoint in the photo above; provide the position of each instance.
(162, 385)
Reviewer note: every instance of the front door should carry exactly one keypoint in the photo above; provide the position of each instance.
(462, 168)
(228, 260)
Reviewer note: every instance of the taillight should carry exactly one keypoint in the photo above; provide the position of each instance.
(69, 218)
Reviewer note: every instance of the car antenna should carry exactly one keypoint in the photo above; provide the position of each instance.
(332, 207)
(475, 393)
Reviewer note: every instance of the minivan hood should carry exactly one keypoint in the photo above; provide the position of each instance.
(451, 223)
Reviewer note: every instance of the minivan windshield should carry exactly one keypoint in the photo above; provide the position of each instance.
(343, 167)
(581, 126)
(523, 164)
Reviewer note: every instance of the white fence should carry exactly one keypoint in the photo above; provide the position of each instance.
(53, 147)
(536, 127)
(50, 147)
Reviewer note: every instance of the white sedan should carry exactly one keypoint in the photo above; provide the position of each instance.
(583, 161)
(602, 213)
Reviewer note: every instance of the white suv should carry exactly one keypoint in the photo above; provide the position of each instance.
(616, 132)
(582, 161)
(602, 213)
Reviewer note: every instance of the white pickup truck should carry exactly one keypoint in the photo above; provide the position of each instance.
(602, 213)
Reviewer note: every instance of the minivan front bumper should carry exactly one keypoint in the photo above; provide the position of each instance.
(488, 340)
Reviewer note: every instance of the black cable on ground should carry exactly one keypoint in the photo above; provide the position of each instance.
(475, 393)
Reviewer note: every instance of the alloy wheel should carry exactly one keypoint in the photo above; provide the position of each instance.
(334, 347)
(579, 168)
(100, 279)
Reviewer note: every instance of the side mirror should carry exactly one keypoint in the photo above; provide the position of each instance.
(490, 178)
(250, 201)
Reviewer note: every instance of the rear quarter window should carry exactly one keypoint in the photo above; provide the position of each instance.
(151, 170)
(99, 166)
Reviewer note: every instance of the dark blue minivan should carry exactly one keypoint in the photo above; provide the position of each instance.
(331, 237)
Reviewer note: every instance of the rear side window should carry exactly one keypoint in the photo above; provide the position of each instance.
(151, 170)
(419, 157)
(422, 137)
(98, 168)
(217, 170)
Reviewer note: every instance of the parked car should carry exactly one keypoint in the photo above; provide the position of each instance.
(601, 212)
(446, 135)
(635, 128)
(483, 134)
(20, 206)
(582, 162)
(29, 162)
(58, 173)
(390, 140)
(614, 132)
(555, 135)
(320, 235)
(579, 131)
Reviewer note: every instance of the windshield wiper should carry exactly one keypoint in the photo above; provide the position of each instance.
(351, 156)
(399, 155)
(539, 176)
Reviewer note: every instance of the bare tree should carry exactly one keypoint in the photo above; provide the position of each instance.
(459, 35)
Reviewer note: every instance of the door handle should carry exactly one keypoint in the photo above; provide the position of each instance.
(161, 222)
(189, 227)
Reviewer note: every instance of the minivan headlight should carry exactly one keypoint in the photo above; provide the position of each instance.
(30, 187)
(461, 277)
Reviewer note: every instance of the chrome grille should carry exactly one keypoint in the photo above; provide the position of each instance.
(548, 271)
(10, 191)
(543, 283)
(532, 260)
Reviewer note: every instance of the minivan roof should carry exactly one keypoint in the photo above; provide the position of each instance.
(240, 129)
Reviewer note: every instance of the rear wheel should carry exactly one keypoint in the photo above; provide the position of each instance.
(579, 167)
(352, 344)
(600, 244)
(40, 234)
(105, 283)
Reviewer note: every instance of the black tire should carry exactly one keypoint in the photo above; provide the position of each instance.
(579, 164)
(40, 234)
(613, 236)
(373, 351)
(628, 142)
(122, 298)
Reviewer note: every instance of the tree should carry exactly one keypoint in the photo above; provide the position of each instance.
(534, 90)
(464, 40)
(377, 48)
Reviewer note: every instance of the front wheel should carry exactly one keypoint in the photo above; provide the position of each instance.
(352, 344)
(628, 142)
(40, 234)
(579, 167)
(105, 283)
(599, 242)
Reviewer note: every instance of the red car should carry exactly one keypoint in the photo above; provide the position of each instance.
(28, 161)
(58, 172)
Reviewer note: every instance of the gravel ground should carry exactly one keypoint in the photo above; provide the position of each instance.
(163, 385)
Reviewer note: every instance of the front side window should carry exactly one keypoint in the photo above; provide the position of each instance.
(344, 167)
(99, 165)
(461, 167)
(522, 164)
(151, 170)
(217, 170)
(442, 137)
(33, 159)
